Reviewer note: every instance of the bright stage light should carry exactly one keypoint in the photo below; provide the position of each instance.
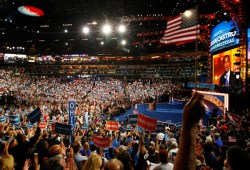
(123, 42)
(85, 30)
(122, 28)
(106, 29)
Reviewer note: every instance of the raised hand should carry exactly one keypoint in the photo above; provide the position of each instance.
(193, 110)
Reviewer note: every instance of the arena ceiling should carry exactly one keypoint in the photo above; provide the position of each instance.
(48, 31)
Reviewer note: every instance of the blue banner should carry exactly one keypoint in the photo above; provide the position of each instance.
(122, 129)
(35, 115)
(132, 119)
(64, 129)
(72, 109)
(140, 130)
(14, 119)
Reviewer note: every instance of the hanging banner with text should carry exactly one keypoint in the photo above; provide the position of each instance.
(102, 142)
(112, 126)
(146, 123)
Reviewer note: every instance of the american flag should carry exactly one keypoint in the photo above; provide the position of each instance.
(181, 29)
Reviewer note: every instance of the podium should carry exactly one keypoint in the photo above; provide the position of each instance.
(151, 106)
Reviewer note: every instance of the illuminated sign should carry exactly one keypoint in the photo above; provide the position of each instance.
(224, 35)
(31, 11)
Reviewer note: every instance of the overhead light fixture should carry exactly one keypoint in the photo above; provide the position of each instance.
(31, 11)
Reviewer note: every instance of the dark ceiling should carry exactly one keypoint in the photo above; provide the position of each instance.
(20, 30)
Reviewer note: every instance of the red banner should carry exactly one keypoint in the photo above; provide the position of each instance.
(42, 125)
(112, 126)
(102, 142)
(146, 122)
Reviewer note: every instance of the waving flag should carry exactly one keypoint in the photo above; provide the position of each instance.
(182, 28)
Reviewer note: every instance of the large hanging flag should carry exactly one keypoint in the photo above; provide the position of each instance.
(182, 29)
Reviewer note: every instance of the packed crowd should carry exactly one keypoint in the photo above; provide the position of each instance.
(223, 144)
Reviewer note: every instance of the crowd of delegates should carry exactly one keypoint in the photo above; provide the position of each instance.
(223, 144)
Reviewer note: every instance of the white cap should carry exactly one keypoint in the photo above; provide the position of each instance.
(160, 136)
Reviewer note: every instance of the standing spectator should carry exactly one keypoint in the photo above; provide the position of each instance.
(165, 164)
(78, 158)
(173, 152)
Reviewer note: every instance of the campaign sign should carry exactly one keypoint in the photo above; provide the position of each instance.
(112, 125)
(14, 119)
(72, 109)
(146, 142)
(2, 119)
(140, 130)
(160, 128)
(42, 125)
(178, 125)
(86, 124)
(101, 142)
(122, 129)
(29, 125)
(146, 122)
(61, 128)
(132, 119)
(35, 115)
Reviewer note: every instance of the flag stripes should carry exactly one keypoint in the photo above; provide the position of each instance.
(181, 29)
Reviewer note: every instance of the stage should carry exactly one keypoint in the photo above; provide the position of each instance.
(164, 112)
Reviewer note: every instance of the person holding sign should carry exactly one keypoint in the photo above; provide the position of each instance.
(24, 149)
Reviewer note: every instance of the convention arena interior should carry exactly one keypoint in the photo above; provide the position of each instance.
(124, 85)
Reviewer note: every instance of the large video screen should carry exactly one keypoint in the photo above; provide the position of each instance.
(236, 64)
(224, 35)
